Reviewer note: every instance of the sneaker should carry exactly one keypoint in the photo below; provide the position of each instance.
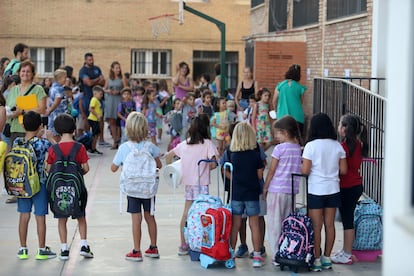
(98, 152)
(326, 262)
(86, 252)
(135, 256)
(341, 257)
(183, 250)
(64, 255)
(23, 254)
(105, 144)
(262, 252)
(258, 261)
(152, 252)
(243, 251)
(95, 151)
(317, 266)
(44, 254)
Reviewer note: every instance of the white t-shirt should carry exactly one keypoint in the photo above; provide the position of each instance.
(324, 174)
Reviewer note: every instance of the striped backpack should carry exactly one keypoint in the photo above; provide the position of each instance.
(368, 225)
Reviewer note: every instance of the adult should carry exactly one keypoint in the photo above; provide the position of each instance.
(27, 72)
(289, 95)
(182, 83)
(4, 61)
(246, 87)
(21, 53)
(89, 76)
(57, 101)
(115, 83)
(216, 85)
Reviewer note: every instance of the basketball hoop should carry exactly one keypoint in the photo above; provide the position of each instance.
(161, 24)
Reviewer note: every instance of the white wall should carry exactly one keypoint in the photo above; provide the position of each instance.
(399, 216)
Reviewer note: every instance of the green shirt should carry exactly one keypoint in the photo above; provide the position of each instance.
(15, 126)
(290, 100)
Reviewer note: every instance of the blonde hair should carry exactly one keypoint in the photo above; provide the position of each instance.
(231, 103)
(244, 138)
(136, 127)
(59, 73)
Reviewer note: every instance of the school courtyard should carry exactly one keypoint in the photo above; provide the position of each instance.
(110, 238)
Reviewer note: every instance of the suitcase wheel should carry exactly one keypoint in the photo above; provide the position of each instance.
(229, 263)
(282, 267)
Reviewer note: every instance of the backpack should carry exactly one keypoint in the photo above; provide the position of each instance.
(65, 184)
(368, 225)
(139, 172)
(21, 178)
(176, 121)
(296, 241)
(9, 71)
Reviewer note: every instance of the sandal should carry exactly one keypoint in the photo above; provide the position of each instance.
(11, 200)
(114, 147)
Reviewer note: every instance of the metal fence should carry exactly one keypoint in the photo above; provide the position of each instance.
(336, 97)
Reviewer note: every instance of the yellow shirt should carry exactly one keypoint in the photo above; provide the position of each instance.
(96, 105)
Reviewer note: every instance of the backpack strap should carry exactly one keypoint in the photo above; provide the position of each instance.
(72, 153)
(29, 90)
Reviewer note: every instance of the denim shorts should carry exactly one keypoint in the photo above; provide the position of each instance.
(39, 201)
(244, 103)
(250, 208)
(324, 201)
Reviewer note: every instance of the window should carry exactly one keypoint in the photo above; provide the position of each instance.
(249, 54)
(305, 12)
(255, 3)
(277, 15)
(342, 8)
(47, 60)
(151, 62)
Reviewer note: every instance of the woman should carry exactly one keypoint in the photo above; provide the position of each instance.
(26, 87)
(289, 95)
(4, 61)
(216, 85)
(182, 83)
(113, 87)
(246, 87)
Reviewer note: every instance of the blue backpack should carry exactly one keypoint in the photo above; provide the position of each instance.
(368, 225)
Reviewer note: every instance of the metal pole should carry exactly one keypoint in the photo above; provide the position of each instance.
(222, 27)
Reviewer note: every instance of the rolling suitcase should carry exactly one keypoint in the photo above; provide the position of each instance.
(216, 227)
(193, 231)
(296, 240)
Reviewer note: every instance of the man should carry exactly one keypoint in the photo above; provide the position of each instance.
(21, 53)
(89, 76)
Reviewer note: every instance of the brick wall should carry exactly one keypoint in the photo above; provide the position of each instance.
(110, 29)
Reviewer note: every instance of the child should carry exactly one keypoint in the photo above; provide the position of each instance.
(32, 123)
(248, 170)
(137, 132)
(138, 97)
(221, 121)
(197, 146)
(189, 112)
(125, 107)
(243, 250)
(231, 107)
(323, 160)
(161, 98)
(277, 190)
(175, 135)
(95, 116)
(248, 112)
(354, 142)
(261, 119)
(206, 106)
(57, 99)
(65, 125)
(149, 109)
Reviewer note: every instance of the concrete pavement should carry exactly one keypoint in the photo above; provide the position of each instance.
(110, 238)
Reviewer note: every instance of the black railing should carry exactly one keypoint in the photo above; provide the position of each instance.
(336, 97)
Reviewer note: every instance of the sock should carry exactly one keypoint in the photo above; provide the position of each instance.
(256, 254)
(64, 246)
(347, 254)
(83, 243)
(42, 248)
(22, 247)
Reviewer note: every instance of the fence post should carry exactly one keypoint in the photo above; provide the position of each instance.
(344, 88)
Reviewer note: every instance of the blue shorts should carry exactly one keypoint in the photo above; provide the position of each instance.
(250, 208)
(324, 201)
(39, 201)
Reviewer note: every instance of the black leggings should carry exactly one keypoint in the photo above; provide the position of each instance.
(349, 198)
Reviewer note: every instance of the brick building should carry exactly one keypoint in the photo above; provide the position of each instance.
(326, 38)
(61, 32)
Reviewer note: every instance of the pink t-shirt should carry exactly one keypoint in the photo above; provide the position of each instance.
(190, 155)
